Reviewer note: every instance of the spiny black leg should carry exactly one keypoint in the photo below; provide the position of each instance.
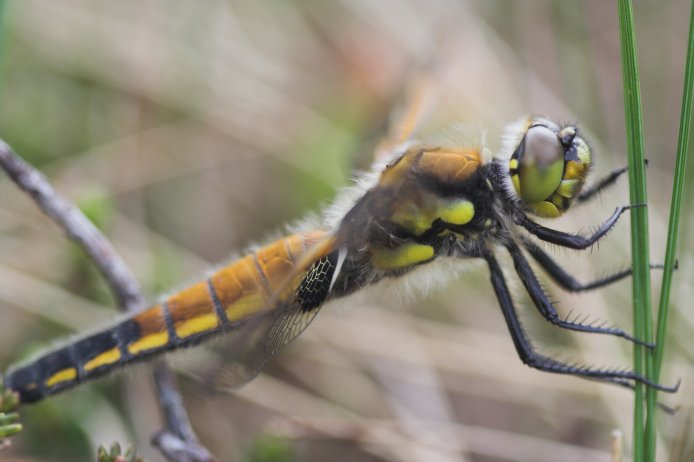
(572, 241)
(545, 306)
(604, 183)
(568, 282)
(533, 359)
(563, 278)
(630, 385)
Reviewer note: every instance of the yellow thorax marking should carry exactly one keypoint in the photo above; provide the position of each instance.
(413, 219)
(405, 255)
(64, 375)
(107, 357)
(148, 342)
(458, 212)
(419, 220)
(196, 325)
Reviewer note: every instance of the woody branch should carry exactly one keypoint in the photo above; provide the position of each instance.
(178, 442)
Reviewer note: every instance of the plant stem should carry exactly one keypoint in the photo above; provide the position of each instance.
(675, 209)
(676, 202)
(641, 291)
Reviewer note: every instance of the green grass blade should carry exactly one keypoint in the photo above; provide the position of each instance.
(641, 293)
(677, 193)
(675, 205)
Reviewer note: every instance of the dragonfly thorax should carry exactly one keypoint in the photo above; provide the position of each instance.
(432, 200)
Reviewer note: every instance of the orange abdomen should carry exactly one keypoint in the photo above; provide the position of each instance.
(247, 287)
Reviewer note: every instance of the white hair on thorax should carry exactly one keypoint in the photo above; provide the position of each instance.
(511, 138)
(459, 136)
(348, 196)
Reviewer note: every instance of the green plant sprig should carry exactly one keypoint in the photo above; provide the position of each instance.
(641, 283)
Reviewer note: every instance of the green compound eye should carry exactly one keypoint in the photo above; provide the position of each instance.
(537, 166)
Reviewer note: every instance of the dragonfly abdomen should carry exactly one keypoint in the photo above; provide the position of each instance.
(222, 302)
(144, 334)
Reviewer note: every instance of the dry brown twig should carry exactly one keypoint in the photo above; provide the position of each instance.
(178, 442)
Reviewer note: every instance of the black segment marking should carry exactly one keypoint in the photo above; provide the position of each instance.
(76, 361)
(94, 345)
(221, 314)
(261, 274)
(168, 319)
(314, 289)
(128, 332)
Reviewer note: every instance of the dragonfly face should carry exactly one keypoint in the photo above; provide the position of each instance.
(439, 199)
(548, 167)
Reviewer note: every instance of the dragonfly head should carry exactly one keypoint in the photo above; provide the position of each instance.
(548, 165)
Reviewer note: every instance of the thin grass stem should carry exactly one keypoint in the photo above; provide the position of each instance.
(674, 220)
(641, 293)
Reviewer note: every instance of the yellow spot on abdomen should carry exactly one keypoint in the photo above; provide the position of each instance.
(107, 357)
(65, 375)
(196, 325)
(245, 307)
(457, 213)
(400, 257)
(148, 342)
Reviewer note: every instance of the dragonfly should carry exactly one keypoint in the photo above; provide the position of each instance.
(427, 201)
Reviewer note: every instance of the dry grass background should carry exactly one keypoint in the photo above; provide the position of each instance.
(189, 130)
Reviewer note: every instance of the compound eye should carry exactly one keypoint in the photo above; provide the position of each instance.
(537, 165)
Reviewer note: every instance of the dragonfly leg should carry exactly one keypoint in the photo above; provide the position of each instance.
(544, 363)
(572, 241)
(547, 309)
(566, 280)
(604, 183)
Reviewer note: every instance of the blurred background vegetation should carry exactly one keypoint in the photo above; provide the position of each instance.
(189, 130)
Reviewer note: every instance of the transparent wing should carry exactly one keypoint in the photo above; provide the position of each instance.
(421, 96)
(249, 344)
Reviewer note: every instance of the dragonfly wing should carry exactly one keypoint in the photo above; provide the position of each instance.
(256, 342)
(250, 343)
(421, 95)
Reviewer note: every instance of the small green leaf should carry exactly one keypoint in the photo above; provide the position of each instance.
(115, 450)
(9, 430)
(102, 454)
(8, 418)
(116, 454)
(9, 400)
